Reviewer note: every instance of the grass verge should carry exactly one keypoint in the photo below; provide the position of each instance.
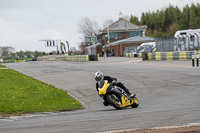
(22, 94)
(17, 60)
(1, 66)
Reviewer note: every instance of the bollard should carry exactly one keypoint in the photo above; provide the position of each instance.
(193, 58)
(197, 58)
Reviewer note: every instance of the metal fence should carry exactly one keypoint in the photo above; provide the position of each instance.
(132, 50)
(170, 44)
(167, 44)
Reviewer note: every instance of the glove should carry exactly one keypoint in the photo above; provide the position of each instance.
(114, 81)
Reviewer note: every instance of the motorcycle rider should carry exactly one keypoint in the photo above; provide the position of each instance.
(100, 76)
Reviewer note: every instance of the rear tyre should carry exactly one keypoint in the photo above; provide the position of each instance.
(135, 103)
(114, 100)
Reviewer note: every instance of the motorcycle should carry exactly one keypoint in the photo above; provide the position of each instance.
(116, 96)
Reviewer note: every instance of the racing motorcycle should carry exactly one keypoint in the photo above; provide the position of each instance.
(116, 96)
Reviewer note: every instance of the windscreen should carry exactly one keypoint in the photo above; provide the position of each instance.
(101, 83)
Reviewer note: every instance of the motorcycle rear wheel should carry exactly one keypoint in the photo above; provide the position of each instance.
(114, 100)
(135, 103)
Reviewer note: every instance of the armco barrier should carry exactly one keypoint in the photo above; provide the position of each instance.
(181, 55)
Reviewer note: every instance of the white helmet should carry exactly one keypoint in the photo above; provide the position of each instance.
(98, 76)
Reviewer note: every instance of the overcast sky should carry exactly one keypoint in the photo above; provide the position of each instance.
(24, 22)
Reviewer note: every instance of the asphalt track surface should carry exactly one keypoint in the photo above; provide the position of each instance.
(168, 91)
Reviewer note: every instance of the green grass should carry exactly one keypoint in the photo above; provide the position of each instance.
(1, 66)
(17, 60)
(28, 59)
(22, 94)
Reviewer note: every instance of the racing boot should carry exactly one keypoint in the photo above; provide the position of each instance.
(131, 95)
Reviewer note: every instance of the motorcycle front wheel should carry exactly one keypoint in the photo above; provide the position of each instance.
(135, 103)
(114, 100)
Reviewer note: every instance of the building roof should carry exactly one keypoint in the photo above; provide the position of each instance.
(93, 46)
(134, 39)
(123, 24)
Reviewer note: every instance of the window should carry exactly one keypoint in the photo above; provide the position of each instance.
(133, 33)
(87, 39)
(115, 35)
(91, 39)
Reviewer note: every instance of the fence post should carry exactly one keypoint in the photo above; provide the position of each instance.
(197, 50)
(197, 58)
(193, 58)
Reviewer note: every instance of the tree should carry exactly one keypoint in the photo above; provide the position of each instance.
(197, 21)
(184, 21)
(88, 27)
(37, 54)
(6, 51)
(172, 29)
(169, 17)
(20, 54)
(169, 20)
(28, 54)
(143, 19)
(107, 23)
(134, 20)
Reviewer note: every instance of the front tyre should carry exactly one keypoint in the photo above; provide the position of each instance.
(114, 100)
(135, 103)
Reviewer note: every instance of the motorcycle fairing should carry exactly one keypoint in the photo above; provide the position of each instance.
(126, 101)
(102, 91)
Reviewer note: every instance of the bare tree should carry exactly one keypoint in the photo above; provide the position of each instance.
(88, 27)
(107, 23)
(126, 17)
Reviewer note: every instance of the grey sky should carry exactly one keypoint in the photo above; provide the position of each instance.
(24, 22)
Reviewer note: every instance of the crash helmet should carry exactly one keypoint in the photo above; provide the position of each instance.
(98, 76)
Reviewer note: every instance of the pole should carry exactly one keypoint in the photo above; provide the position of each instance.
(193, 48)
(108, 36)
(193, 58)
(177, 43)
(197, 58)
(197, 50)
(188, 47)
(192, 51)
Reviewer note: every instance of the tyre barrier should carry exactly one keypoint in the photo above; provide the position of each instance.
(128, 55)
(132, 55)
(140, 55)
(77, 58)
(169, 56)
(176, 55)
